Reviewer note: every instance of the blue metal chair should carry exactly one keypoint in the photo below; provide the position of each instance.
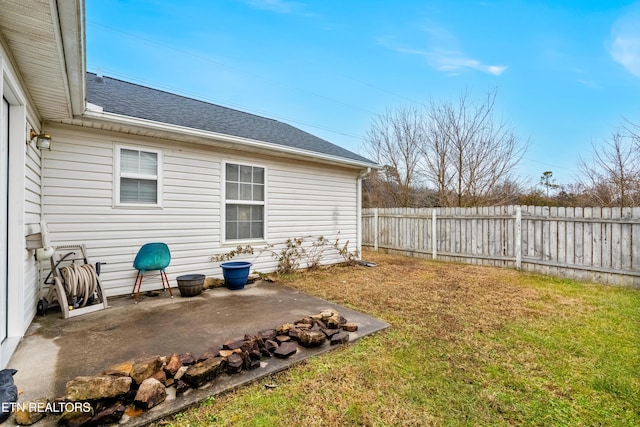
(151, 256)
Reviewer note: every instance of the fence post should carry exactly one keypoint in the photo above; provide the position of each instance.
(518, 237)
(375, 229)
(434, 239)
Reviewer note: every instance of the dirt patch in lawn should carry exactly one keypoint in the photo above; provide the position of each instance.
(452, 299)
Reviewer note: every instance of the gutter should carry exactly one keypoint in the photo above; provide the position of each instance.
(93, 113)
(361, 176)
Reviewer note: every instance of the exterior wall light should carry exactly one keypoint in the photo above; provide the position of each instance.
(43, 140)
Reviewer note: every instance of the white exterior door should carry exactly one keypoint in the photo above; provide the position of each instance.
(4, 202)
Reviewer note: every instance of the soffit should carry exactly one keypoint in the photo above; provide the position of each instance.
(30, 29)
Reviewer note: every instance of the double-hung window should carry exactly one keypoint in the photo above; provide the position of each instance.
(138, 177)
(244, 202)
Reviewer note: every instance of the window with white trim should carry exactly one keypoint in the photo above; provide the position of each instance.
(244, 202)
(138, 177)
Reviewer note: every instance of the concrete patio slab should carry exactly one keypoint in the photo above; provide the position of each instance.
(56, 350)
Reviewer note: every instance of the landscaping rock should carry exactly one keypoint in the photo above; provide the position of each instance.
(160, 376)
(203, 372)
(180, 372)
(283, 338)
(329, 332)
(340, 338)
(294, 333)
(187, 359)
(311, 338)
(268, 334)
(284, 329)
(235, 363)
(286, 349)
(145, 368)
(335, 321)
(119, 370)
(30, 412)
(173, 365)
(181, 387)
(271, 346)
(350, 327)
(150, 394)
(213, 282)
(233, 344)
(109, 415)
(97, 387)
(226, 353)
(80, 416)
(144, 382)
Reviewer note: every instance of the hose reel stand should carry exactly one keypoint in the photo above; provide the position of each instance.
(75, 286)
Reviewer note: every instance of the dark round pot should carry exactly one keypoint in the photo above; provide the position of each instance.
(190, 285)
(236, 274)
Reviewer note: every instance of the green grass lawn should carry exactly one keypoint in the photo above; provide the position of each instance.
(468, 346)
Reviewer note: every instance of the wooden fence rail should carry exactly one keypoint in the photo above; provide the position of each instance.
(597, 244)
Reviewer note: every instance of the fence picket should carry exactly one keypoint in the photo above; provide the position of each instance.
(589, 243)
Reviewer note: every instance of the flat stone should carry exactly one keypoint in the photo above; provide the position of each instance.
(283, 338)
(226, 353)
(268, 334)
(233, 344)
(203, 372)
(286, 349)
(77, 418)
(340, 338)
(97, 387)
(109, 415)
(350, 327)
(330, 332)
(119, 370)
(187, 358)
(294, 334)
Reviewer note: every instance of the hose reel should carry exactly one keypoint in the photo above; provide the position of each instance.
(75, 286)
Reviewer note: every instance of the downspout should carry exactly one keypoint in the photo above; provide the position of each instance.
(359, 212)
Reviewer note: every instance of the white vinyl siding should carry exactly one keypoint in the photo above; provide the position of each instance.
(300, 199)
(138, 174)
(244, 207)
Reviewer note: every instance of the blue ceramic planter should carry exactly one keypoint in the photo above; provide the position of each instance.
(236, 274)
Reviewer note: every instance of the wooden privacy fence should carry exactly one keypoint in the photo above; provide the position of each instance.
(597, 244)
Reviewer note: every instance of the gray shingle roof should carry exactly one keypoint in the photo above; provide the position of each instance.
(133, 100)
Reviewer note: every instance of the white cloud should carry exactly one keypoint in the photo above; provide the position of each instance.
(625, 47)
(445, 55)
(452, 61)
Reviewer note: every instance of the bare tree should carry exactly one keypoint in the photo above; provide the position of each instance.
(394, 141)
(467, 152)
(612, 176)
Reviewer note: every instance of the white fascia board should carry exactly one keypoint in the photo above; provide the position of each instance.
(246, 142)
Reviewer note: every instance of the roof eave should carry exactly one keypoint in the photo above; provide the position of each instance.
(213, 137)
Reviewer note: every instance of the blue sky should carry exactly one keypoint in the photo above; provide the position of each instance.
(566, 72)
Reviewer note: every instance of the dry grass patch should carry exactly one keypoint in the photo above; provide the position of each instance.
(468, 345)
